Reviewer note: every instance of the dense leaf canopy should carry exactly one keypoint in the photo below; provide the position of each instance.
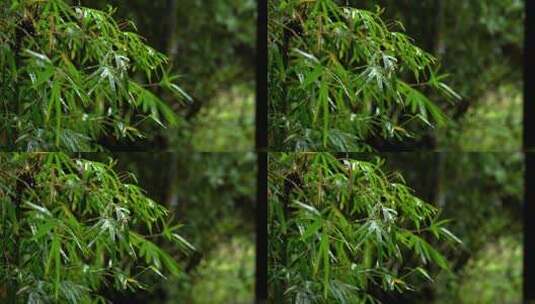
(342, 230)
(341, 77)
(71, 228)
(71, 74)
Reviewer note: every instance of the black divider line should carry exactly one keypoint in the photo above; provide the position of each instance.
(261, 230)
(529, 220)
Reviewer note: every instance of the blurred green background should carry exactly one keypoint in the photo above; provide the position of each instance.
(213, 196)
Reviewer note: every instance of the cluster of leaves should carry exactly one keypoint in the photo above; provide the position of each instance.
(71, 74)
(71, 228)
(483, 192)
(211, 44)
(342, 230)
(189, 179)
(213, 195)
(340, 78)
(479, 67)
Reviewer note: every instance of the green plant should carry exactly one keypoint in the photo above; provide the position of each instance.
(71, 228)
(341, 78)
(481, 68)
(71, 74)
(342, 230)
(483, 193)
(213, 195)
(211, 44)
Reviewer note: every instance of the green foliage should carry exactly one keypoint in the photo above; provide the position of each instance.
(480, 45)
(214, 196)
(72, 228)
(211, 44)
(72, 74)
(483, 193)
(342, 230)
(341, 77)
